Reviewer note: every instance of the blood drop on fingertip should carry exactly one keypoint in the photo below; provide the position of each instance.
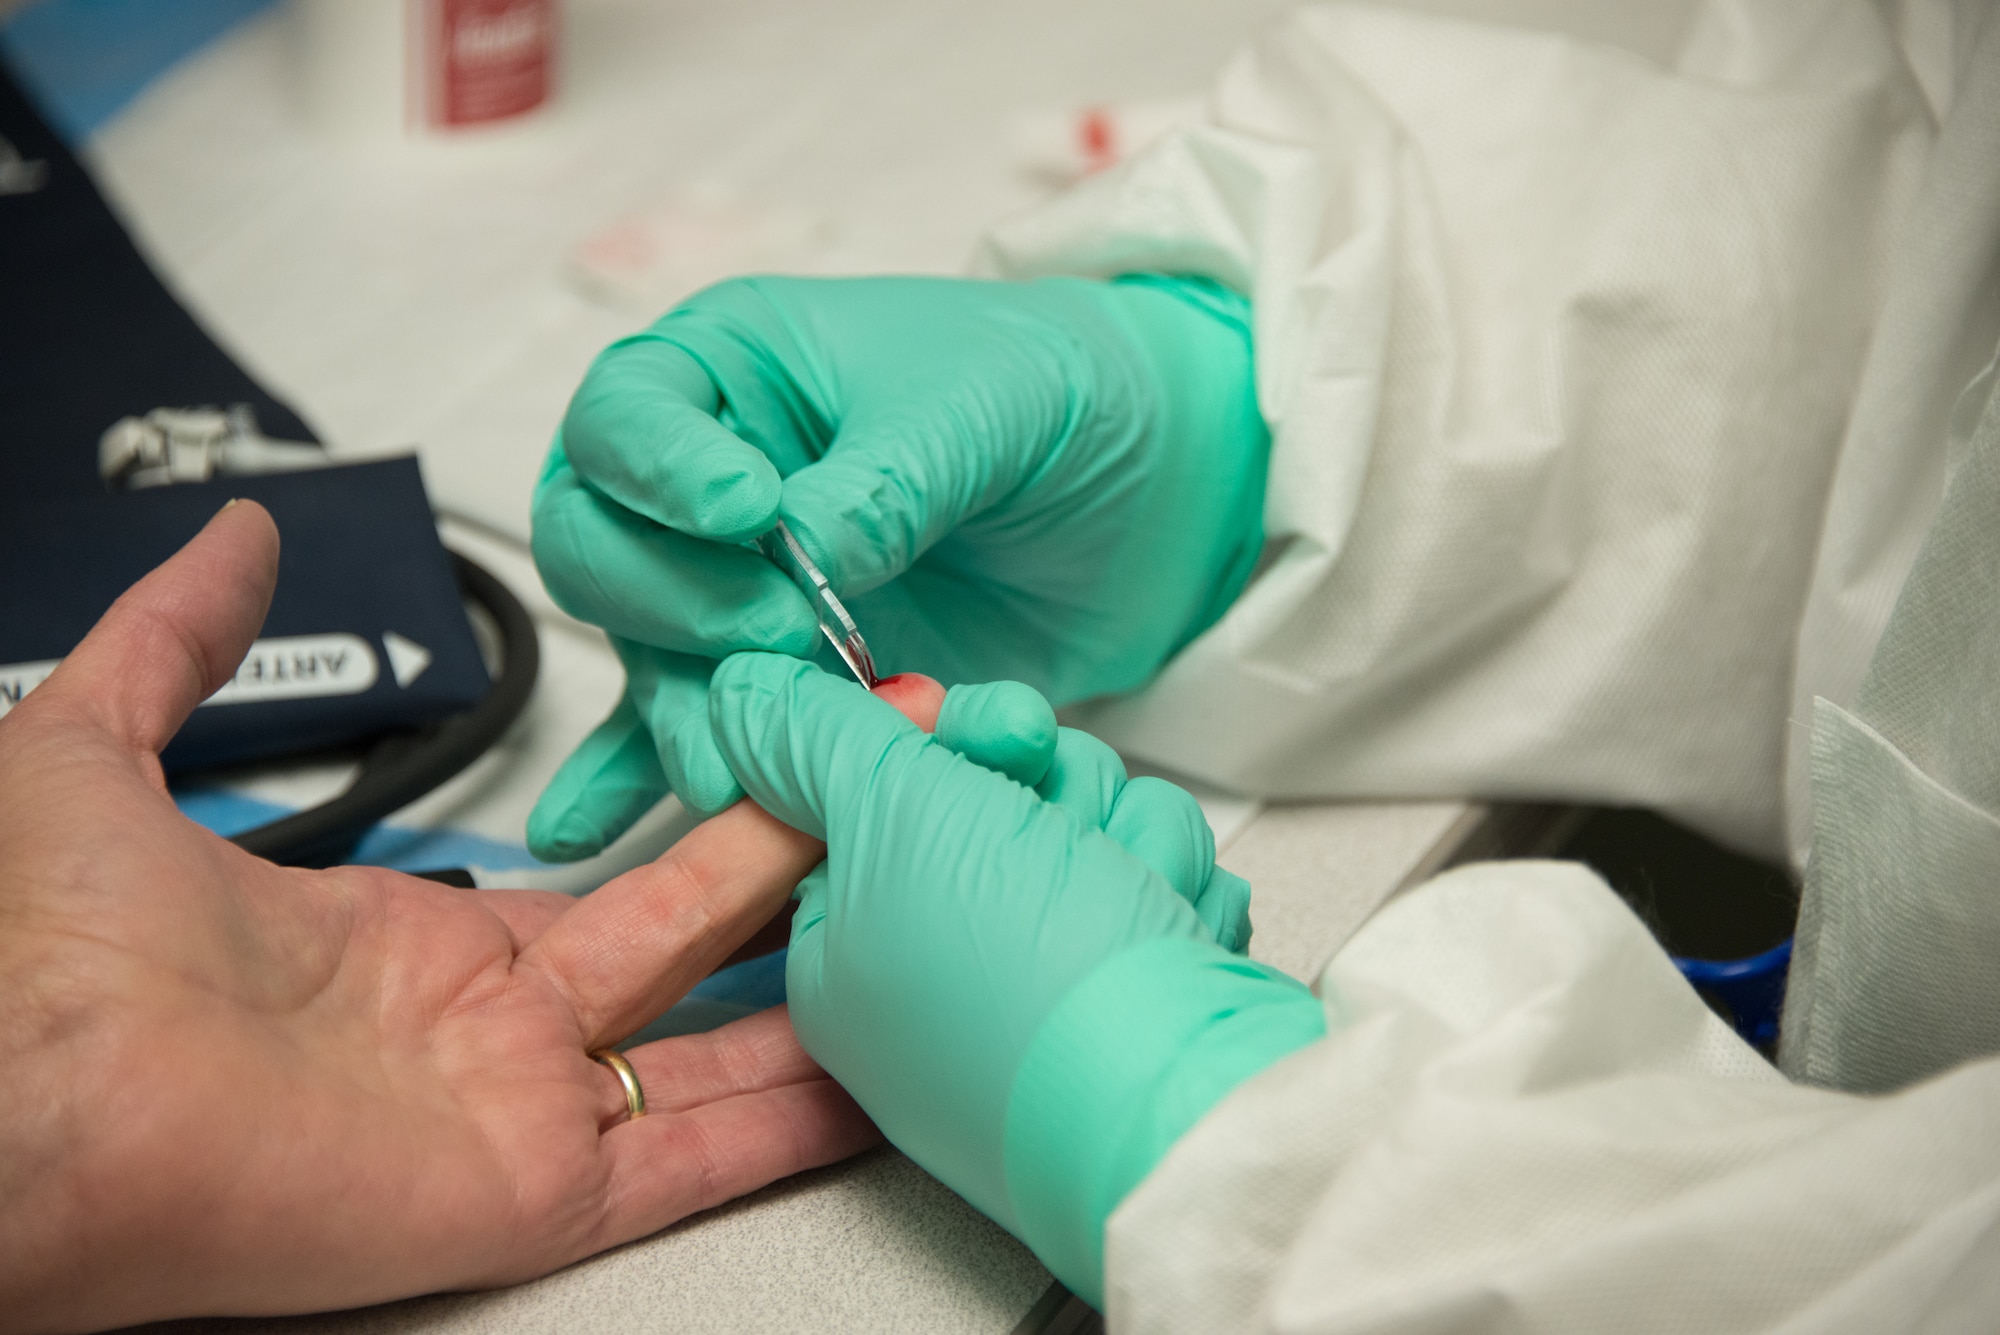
(917, 696)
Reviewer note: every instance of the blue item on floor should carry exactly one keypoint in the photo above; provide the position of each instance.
(1753, 989)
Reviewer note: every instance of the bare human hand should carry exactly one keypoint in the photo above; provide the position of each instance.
(228, 1087)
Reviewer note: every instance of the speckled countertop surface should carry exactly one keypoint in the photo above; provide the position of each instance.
(871, 1244)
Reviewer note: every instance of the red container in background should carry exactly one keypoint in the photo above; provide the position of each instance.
(485, 60)
(423, 69)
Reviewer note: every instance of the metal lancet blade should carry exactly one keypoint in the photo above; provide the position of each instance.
(785, 552)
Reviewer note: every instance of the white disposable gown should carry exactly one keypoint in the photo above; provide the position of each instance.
(1631, 443)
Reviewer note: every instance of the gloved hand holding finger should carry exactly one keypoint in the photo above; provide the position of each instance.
(618, 773)
(1023, 1005)
(937, 865)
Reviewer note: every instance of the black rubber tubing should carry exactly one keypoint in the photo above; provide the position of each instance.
(405, 766)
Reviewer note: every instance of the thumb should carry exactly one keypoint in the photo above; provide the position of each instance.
(805, 963)
(174, 638)
(803, 744)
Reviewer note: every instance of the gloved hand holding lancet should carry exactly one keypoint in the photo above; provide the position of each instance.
(1059, 482)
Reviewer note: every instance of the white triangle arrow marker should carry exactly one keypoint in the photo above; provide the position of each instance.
(407, 658)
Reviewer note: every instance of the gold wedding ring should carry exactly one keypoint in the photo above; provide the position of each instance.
(635, 1097)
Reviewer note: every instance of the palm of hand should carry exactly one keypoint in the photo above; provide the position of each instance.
(236, 1087)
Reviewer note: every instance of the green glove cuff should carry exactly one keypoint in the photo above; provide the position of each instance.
(1204, 294)
(1131, 1058)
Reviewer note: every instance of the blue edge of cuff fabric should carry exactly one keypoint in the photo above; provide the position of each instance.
(85, 60)
(1130, 1058)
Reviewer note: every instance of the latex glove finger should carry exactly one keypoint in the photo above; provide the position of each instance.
(811, 896)
(805, 965)
(1162, 825)
(694, 767)
(616, 568)
(1224, 908)
(656, 740)
(670, 692)
(1084, 779)
(791, 733)
(1003, 725)
(610, 780)
(642, 431)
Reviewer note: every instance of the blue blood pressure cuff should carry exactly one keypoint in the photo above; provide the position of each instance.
(124, 427)
(367, 631)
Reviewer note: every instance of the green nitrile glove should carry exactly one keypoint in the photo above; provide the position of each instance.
(1025, 1003)
(1059, 482)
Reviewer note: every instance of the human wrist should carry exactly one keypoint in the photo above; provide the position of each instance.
(1130, 1059)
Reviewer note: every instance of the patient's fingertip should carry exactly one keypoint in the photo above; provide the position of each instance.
(252, 530)
(251, 510)
(917, 697)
